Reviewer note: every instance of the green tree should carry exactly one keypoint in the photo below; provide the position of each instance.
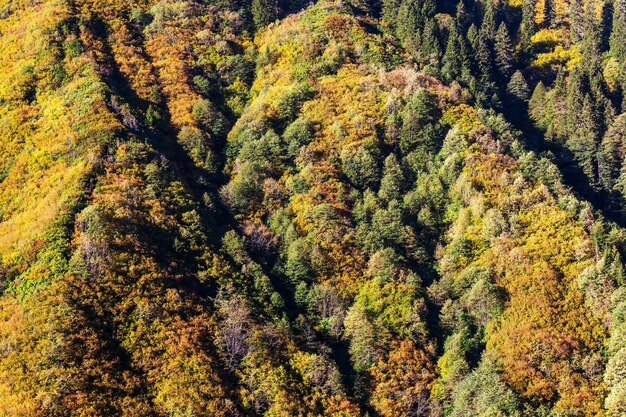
(463, 19)
(388, 227)
(537, 105)
(577, 25)
(591, 45)
(452, 366)
(240, 193)
(264, 12)
(452, 58)
(576, 92)
(484, 58)
(420, 123)
(296, 135)
(429, 46)
(152, 117)
(488, 26)
(528, 26)
(617, 40)
(360, 166)
(615, 371)
(408, 24)
(298, 266)
(210, 118)
(504, 54)
(389, 11)
(611, 153)
(392, 181)
(583, 141)
(363, 6)
(482, 393)
(362, 335)
(518, 87)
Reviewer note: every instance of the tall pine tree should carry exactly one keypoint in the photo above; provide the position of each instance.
(484, 57)
(429, 47)
(518, 87)
(583, 141)
(264, 12)
(612, 153)
(390, 12)
(463, 19)
(617, 41)
(528, 26)
(452, 59)
(577, 25)
(408, 24)
(537, 106)
(488, 27)
(504, 52)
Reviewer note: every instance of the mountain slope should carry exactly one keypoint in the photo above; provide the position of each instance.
(205, 211)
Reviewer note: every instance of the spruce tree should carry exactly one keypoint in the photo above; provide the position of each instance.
(484, 48)
(429, 46)
(362, 6)
(472, 36)
(617, 41)
(583, 141)
(420, 119)
(452, 59)
(557, 106)
(390, 12)
(536, 105)
(592, 60)
(392, 181)
(264, 12)
(528, 27)
(467, 59)
(463, 19)
(612, 152)
(576, 92)
(484, 57)
(488, 27)
(428, 10)
(518, 87)
(577, 26)
(504, 51)
(408, 24)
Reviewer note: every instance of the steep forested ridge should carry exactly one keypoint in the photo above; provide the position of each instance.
(291, 208)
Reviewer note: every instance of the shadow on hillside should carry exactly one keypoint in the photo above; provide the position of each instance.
(572, 173)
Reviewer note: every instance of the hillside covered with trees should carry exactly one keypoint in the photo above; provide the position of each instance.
(340, 208)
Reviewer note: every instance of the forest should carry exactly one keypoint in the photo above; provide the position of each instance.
(297, 208)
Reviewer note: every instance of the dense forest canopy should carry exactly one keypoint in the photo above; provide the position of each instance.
(296, 208)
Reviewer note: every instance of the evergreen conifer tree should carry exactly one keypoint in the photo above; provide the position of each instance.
(462, 18)
(488, 27)
(617, 40)
(577, 27)
(264, 12)
(504, 51)
(528, 26)
(389, 12)
(484, 57)
(518, 87)
(452, 59)
(429, 46)
(537, 103)
(393, 178)
(408, 24)
(582, 138)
